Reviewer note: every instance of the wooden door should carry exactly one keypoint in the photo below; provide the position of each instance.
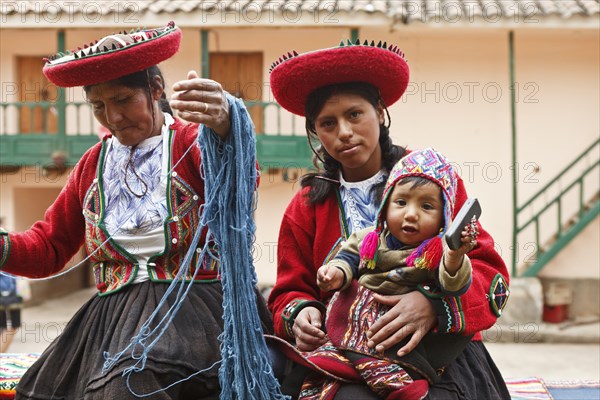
(35, 88)
(241, 75)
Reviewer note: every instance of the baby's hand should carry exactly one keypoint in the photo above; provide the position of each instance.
(453, 258)
(329, 278)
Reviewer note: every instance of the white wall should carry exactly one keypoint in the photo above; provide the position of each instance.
(458, 102)
(27, 178)
(557, 118)
(580, 259)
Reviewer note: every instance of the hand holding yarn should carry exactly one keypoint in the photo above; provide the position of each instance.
(202, 101)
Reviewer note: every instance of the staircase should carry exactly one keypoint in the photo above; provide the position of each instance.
(543, 227)
(557, 213)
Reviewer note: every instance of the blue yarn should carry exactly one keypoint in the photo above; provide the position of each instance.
(229, 171)
(140, 341)
(230, 183)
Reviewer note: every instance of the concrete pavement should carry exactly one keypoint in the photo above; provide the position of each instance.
(549, 351)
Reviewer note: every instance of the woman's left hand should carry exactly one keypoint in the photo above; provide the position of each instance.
(411, 314)
(202, 101)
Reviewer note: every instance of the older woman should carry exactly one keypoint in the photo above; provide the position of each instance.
(134, 202)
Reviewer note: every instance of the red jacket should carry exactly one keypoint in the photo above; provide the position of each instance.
(309, 232)
(76, 219)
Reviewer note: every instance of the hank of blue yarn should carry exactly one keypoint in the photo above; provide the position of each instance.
(229, 169)
(230, 184)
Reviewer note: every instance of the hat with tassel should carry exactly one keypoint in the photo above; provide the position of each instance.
(431, 165)
(295, 76)
(113, 56)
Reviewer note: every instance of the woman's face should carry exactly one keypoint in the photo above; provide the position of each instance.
(348, 128)
(126, 111)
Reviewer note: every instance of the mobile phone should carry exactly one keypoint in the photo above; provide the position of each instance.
(470, 209)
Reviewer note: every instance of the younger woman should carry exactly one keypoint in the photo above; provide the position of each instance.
(343, 92)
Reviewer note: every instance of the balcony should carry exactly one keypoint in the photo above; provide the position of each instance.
(35, 133)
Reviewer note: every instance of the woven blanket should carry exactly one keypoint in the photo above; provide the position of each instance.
(12, 368)
(539, 389)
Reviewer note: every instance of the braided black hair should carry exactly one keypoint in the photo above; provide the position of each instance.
(328, 167)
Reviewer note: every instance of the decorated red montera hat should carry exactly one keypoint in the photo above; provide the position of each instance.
(295, 76)
(113, 56)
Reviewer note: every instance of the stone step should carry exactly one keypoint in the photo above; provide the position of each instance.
(522, 319)
(584, 293)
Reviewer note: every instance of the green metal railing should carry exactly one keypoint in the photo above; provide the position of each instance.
(31, 132)
(279, 141)
(588, 208)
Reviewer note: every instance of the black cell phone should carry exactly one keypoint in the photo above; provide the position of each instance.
(470, 209)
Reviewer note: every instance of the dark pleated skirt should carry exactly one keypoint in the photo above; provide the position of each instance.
(472, 376)
(71, 367)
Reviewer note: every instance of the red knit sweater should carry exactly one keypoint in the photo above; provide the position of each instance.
(307, 235)
(76, 219)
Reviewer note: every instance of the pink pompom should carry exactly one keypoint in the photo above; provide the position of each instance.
(369, 245)
(368, 250)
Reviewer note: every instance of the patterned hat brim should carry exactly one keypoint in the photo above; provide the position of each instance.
(295, 76)
(113, 56)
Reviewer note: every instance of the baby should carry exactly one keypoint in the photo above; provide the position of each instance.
(403, 253)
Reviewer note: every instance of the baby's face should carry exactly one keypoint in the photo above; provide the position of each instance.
(415, 213)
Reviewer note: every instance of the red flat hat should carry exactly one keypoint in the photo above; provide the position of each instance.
(295, 76)
(113, 56)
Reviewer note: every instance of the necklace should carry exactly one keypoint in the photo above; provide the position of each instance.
(130, 164)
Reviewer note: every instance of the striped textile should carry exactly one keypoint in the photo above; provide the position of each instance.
(539, 389)
(12, 368)
(528, 389)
